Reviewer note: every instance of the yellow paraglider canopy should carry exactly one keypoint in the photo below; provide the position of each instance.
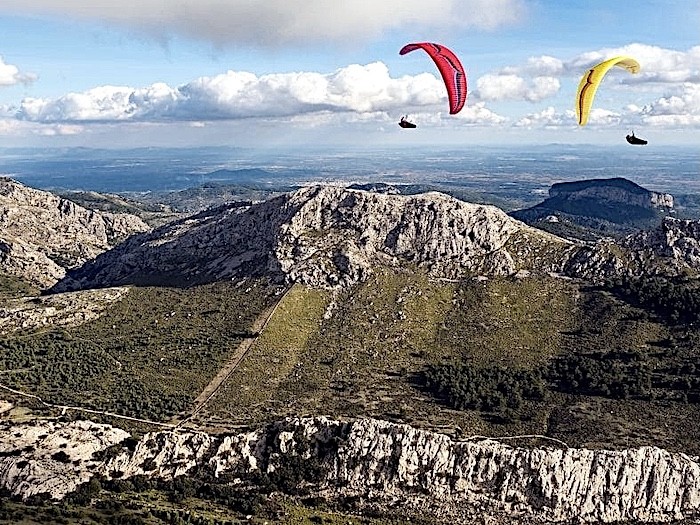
(590, 81)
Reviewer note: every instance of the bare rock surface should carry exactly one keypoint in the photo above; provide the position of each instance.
(50, 457)
(611, 191)
(672, 248)
(327, 236)
(65, 309)
(381, 465)
(42, 235)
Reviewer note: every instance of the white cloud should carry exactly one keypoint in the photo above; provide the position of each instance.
(16, 128)
(279, 22)
(514, 87)
(547, 118)
(479, 114)
(11, 75)
(58, 130)
(604, 117)
(657, 64)
(544, 65)
(675, 110)
(551, 118)
(236, 94)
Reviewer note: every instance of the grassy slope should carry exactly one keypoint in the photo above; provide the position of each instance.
(274, 356)
(365, 359)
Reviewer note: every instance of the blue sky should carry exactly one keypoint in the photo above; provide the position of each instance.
(247, 72)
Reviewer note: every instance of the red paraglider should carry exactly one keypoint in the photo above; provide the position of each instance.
(450, 68)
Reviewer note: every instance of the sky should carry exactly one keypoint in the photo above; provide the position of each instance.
(327, 73)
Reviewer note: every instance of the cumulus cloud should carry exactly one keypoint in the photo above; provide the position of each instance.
(11, 75)
(544, 65)
(238, 94)
(657, 64)
(538, 78)
(279, 22)
(675, 110)
(16, 128)
(548, 117)
(551, 118)
(478, 114)
(514, 87)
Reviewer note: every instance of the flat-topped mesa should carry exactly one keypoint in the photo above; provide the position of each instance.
(327, 236)
(42, 235)
(614, 190)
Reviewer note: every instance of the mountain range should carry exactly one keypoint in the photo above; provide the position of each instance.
(419, 323)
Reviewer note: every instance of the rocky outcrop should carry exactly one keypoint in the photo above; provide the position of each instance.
(328, 236)
(676, 240)
(671, 249)
(67, 309)
(52, 458)
(598, 208)
(42, 235)
(381, 465)
(611, 191)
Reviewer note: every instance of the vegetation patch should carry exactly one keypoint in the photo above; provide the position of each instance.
(13, 287)
(148, 356)
(675, 299)
(510, 322)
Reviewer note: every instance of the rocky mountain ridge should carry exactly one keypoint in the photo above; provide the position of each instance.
(328, 236)
(671, 249)
(42, 235)
(381, 465)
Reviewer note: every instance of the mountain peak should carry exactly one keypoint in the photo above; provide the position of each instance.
(325, 236)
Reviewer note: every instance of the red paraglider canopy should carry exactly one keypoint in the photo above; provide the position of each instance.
(450, 68)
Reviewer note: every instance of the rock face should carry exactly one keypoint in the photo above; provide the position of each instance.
(616, 191)
(595, 208)
(671, 249)
(675, 240)
(327, 236)
(68, 309)
(51, 457)
(42, 235)
(380, 464)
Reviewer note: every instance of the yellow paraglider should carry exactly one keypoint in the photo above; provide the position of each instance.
(590, 81)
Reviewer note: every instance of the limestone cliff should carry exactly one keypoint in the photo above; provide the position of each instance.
(42, 235)
(595, 208)
(615, 190)
(378, 464)
(327, 236)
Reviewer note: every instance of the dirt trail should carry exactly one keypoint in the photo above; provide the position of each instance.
(203, 398)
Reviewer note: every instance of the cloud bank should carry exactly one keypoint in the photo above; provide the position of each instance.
(239, 94)
(668, 96)
(279, 22)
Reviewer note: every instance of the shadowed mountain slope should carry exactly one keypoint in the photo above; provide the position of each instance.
(42, 235)
(597, 207)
